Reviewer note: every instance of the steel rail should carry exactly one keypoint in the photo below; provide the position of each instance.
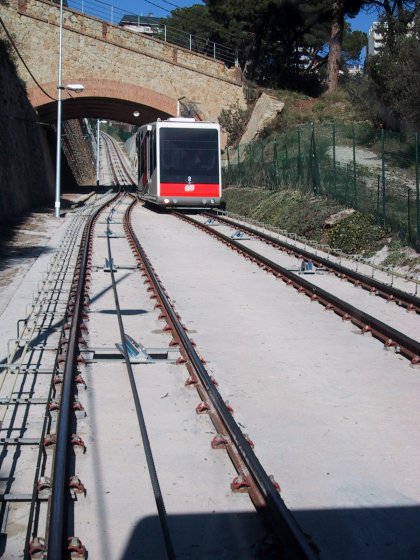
(74, 227)
(109, 141)
(111, 165)
(407, 346)
(409, 301)
(56, 545)
(282, 522)
(142, 423)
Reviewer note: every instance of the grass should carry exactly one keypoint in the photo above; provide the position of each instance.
(401, 256)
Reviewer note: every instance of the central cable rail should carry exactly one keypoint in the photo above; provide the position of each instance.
(142, 424)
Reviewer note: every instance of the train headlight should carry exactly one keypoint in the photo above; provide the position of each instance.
(203, 201)
(175, 200)
(211, 201)
(166, 200)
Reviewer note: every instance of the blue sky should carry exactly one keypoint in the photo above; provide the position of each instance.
(363, 21)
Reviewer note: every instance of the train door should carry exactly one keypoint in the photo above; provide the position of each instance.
(147, 160)
(144, 164)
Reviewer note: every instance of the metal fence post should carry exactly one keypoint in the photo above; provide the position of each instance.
(347, 184)
(417, 188)
(408, 215)
(299, 170)
(383, 176)
(314, 163)
(276, 172)
(334, 162)
(354, 167)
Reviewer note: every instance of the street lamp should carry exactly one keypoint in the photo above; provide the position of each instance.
(77, 88)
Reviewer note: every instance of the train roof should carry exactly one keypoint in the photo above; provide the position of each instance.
(174, 121)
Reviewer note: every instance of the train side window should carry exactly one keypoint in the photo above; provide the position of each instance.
(143, 160)
(152, 150)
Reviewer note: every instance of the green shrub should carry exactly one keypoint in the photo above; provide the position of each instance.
(358, 233)
(233, 120)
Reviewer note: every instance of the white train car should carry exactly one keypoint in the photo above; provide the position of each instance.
(179, 163)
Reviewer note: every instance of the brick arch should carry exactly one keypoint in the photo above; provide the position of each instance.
(103, 98)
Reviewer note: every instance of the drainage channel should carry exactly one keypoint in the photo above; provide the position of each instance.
(390, 337)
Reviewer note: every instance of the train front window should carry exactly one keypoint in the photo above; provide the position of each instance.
(188, 153)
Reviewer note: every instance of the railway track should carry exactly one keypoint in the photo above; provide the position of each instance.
(387, 291)
(68, 372)
(320, 394)
(31, 379)
(391, 337)
(100, 412)
(119, 168)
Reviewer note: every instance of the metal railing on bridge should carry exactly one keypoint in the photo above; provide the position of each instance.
(141, 24)
(372, 170)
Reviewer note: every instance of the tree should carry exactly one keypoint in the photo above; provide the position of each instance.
(353, 43)
(279, 41)
(394, 79)
(194, 20)
(388, 93)
(340, 9)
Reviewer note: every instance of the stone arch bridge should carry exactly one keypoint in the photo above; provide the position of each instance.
(122, 71)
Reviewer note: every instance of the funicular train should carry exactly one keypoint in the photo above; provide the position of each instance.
(179, 163)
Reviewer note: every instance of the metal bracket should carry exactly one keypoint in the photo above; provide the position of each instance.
(109, 265)
(23, 400)
(111, 234)
(19, 441)
(136, 351)
(239, 235)
(169, 355)
(211, 222)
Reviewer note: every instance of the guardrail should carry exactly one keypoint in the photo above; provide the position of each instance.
(114, 15)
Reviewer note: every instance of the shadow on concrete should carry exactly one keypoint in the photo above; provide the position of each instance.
(16, 247)
(225, 536)
(127, 312)
(371, 533)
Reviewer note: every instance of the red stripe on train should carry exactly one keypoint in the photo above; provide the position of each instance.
(193, 189)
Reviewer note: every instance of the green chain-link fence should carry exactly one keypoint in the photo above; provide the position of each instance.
(374, 171)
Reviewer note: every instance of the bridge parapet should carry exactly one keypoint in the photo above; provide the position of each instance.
(90, 26)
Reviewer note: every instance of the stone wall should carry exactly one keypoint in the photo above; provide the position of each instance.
(24, 181)
(78, 152)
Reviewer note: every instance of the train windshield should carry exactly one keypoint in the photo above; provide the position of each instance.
(188, 155)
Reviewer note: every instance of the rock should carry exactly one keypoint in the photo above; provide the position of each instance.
(335, 218)
(265, 111)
